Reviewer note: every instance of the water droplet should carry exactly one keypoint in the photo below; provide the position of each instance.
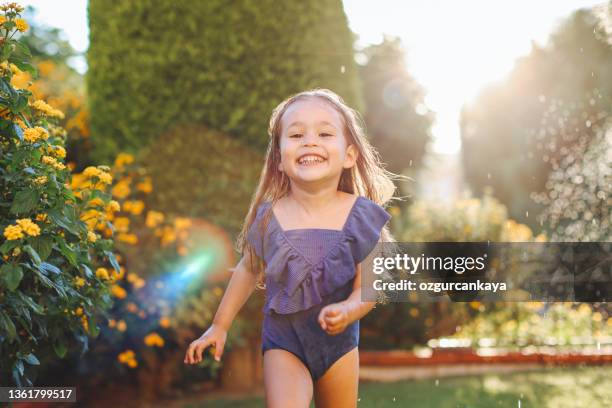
(342, 69)
(437, 382)
(527, 214)
(489, 175)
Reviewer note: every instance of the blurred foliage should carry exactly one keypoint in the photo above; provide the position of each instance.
(201, 172)
(156, 65)
(413, 322)
(397, 119)
(49, 297)
(520, 324)
(59, 84)
(46, 43)
(517, 130)
(578, 195)
(158, 308)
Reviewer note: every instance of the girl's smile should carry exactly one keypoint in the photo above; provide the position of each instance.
(313, 146)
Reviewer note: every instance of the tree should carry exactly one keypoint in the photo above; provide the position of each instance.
(515, 132)
(156, 65)
(397, 119)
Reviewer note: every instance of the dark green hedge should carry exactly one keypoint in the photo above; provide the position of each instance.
(202, 173)
(157, 64)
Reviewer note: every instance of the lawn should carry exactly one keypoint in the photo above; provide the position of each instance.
(560, 388)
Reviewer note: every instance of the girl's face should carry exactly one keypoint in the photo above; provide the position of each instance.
(313, 146)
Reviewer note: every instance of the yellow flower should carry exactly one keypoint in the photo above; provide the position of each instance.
(218, 291)
(31, 135)
(128, 357)
(123, 159)
(29, 227)
(135, 207)
(121, 224)
(154, 218)
(164, 322)
(139, 283)
(145, 186)
(118, 291)
(91, 171)
(79, 282)
(182, 222)
(168, 236)
(121, 189)
(154, 339)
(121, 325)
(105, 178)
(47, 109)
(91, 236)
(21, 24)
(131, 307)
(2, 19)
(13, 232)
(128, 238)
(113, 205)
(58, 151)
(85, 323)
(102, 273)
(78, 311)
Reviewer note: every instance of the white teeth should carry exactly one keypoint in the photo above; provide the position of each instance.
(310, 160)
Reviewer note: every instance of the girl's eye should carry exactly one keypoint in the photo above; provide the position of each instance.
(298, 135)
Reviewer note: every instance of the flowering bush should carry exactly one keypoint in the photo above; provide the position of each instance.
(154, 316)
(465, 220)
(49, 294)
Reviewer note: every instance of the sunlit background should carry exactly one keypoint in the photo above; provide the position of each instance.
(499, 111)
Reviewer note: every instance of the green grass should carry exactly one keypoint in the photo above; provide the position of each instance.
(559, 388)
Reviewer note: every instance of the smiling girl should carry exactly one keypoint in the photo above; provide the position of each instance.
(316, 215)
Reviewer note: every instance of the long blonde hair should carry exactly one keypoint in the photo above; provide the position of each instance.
(367, 177)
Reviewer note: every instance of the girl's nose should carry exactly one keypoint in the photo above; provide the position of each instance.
(310, 138)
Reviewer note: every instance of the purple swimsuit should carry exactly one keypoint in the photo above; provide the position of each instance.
(307, 269)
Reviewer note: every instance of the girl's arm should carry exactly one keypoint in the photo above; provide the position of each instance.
(356, 309)
(241, 285)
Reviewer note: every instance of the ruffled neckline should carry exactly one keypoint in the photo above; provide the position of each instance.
(346, 222)
(296, 282)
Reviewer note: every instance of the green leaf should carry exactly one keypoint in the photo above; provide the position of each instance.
(31, 359)
(88, 271)
(112, 260)
(33, 254)
(8, 246)
(12, 275)
(38, 309)
(25, 200)
(63, 221)
(47, 267)
(8, 326)
(67, 252)
(60, 348)
(94, 330)
(43, 244)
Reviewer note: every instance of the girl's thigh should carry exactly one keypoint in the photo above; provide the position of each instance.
(338, 387)
(287, 381)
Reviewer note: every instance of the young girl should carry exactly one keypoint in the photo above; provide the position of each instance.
(316, 215)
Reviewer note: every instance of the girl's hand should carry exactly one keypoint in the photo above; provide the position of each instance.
(214, 335)
(334, 318)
